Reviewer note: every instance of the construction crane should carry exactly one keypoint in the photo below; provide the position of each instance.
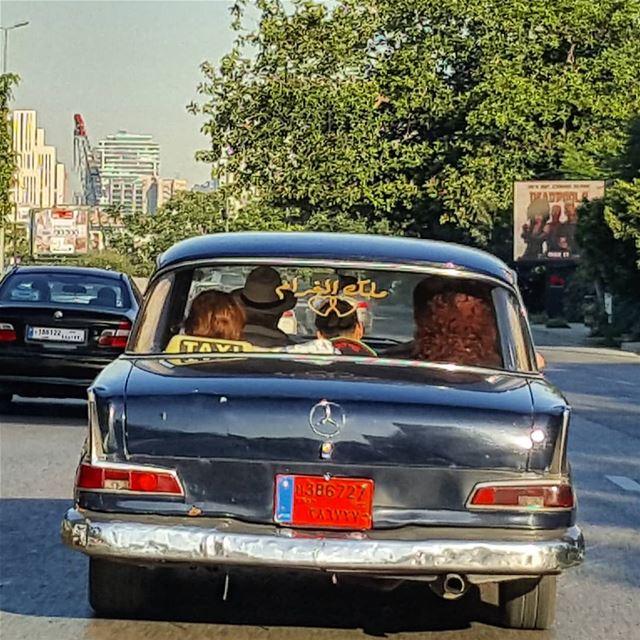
(85, 164)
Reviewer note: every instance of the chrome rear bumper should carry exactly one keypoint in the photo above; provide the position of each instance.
(227, 542)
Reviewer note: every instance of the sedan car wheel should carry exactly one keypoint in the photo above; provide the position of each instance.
(528, 604)
(116, 588)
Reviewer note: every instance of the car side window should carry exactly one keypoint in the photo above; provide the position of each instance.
(153, 317)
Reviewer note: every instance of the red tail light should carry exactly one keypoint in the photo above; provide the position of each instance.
(7, 332)
(116, 338)
(125, 480)
(528, 497)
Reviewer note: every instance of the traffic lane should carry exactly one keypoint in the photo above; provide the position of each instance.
(604, 437)
(43, 594)
(602, 385)
(45, 411)
(43, 585)
(594, 601)
(40, 442)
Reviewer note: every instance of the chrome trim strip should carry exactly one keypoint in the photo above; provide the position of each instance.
(327, 358)
(96, 450)
(126, 492)
(560, 453)
(137, 541)
(427, 268)
(547, 482)
(98, 458)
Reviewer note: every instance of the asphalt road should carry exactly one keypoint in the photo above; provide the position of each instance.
(42, 585)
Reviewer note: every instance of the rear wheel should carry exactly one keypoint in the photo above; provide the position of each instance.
(116, 588)
(528, 604)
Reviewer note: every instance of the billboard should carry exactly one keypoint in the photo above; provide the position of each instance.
(60, 231)
(545, 216)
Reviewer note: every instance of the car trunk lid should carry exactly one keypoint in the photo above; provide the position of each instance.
(50, 329)
(429, 418)
(425, 436)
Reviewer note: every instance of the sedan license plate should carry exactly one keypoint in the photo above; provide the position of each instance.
(315, 501)
(55, 334)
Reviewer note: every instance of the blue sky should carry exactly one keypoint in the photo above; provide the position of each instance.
(122, 65)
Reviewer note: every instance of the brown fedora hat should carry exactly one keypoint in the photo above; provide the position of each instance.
(260, 292)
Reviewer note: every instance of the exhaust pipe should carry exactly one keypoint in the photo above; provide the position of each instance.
(450, 587)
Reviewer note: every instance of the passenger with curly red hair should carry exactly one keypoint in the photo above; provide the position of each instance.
(455, 324)
(457, 327)
(215, 314)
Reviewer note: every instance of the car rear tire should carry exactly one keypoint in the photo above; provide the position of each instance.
(528, 604)
(117, 589)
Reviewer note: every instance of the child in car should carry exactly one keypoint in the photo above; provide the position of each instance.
(337, 321)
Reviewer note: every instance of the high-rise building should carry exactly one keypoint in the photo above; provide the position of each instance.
(125, 160)
(158, 191)
(41, 180)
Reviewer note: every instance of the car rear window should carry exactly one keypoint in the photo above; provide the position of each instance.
(82, 290)
(335, 312)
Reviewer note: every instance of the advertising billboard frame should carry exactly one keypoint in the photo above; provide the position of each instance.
(545, 215)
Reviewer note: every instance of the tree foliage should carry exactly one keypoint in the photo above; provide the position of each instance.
(189, 214)
(417, 114)
(609, 233)
(106, 259)
(144, 237)
(7, 156)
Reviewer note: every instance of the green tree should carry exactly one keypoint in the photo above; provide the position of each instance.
(7, 156)
(609, 233)
(187, 214)
(106, 259)
(419, 113)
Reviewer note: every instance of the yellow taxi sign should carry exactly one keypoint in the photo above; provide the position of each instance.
(196, 344)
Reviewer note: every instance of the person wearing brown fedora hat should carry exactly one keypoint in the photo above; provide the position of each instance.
(264, 306)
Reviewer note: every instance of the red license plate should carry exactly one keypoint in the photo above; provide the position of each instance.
(315, 501)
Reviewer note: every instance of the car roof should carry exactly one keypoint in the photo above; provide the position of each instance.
(335, 246)
(68, 270)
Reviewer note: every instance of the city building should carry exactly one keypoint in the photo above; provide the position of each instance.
(157, 191)
(127, 194)
(41, 180)
(125, 160)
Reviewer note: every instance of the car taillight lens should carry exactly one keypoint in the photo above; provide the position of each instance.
(7, 332)
(551, 496)
(116, 338)
(91, 477)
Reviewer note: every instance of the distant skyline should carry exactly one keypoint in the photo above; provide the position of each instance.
(131, 66)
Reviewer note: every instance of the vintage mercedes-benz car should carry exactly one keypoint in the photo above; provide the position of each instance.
(426, 446)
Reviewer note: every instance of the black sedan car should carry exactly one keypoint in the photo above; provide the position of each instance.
(427, 448)
(60, 326)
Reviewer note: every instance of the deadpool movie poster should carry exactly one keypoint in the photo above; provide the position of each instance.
(545, 215)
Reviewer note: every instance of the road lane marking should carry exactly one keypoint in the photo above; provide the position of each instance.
(616, 381)
(624, 483)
